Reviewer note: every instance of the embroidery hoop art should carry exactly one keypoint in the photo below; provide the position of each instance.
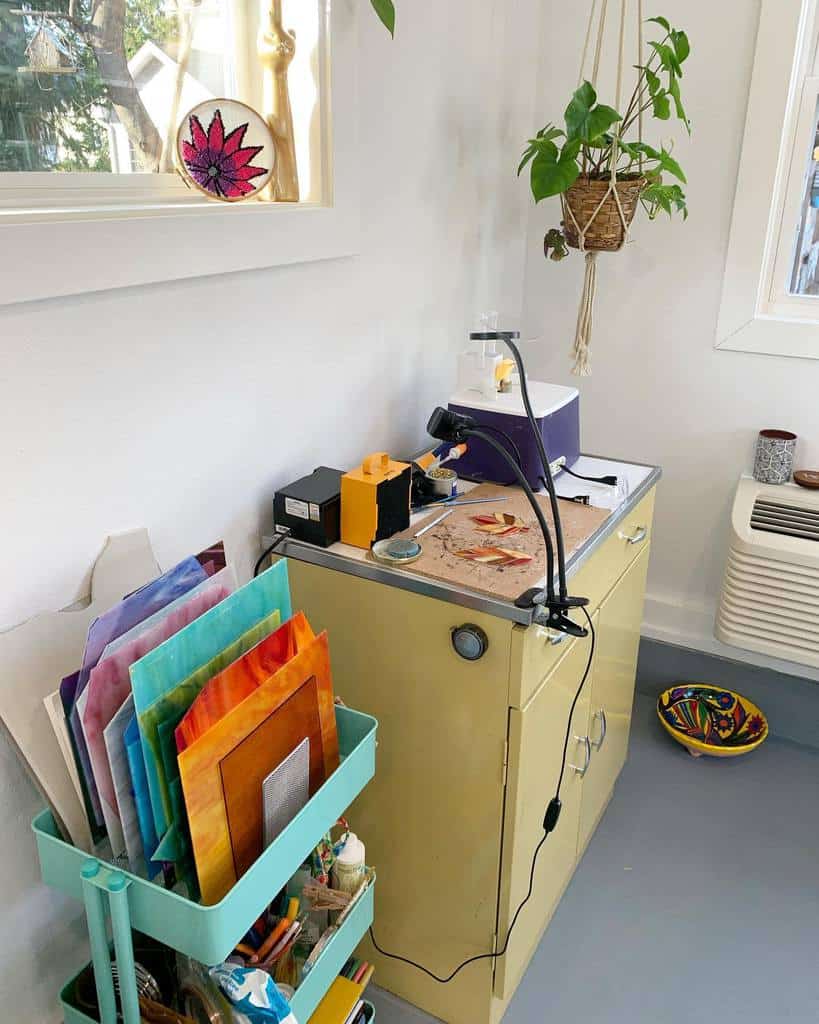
(233, 114)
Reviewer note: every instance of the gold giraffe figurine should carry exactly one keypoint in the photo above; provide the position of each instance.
(277, 48)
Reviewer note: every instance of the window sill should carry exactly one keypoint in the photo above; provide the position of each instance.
(774, 336)
(48, 257)
(61, 238)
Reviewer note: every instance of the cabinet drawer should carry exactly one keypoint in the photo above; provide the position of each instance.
(535, 650)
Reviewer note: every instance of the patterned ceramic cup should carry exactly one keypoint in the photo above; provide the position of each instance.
(774, 456)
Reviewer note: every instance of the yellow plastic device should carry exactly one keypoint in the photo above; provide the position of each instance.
(375, 500)
(338, 1004)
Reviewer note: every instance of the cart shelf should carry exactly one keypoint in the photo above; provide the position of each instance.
(209, 934)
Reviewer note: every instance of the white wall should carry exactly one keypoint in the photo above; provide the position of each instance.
(660, 392)
(182, 407)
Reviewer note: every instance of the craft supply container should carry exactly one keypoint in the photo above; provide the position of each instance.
(209, 934)
(775, 450)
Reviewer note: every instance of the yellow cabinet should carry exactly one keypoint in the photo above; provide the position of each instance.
(537, 733)
(469, 755)
(612, 693)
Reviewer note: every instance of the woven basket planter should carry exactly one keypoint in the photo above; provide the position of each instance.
(605, 230)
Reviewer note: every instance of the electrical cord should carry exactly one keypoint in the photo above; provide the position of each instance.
(515, 451)
(611, 481)
(550, 820)
(547, 471)
(282, 534)
(530, 494)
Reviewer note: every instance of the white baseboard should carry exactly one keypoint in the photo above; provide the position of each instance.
(692, 626)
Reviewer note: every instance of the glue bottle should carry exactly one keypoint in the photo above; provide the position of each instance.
(347, 872)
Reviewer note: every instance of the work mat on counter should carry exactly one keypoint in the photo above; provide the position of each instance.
(474, 555)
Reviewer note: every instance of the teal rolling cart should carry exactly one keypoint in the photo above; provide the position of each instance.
(209, 934)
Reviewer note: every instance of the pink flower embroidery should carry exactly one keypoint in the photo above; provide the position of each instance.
(219, 163)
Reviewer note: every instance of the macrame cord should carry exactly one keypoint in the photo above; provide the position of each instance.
(585, 316)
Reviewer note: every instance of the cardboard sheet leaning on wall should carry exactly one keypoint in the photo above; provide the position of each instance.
(37, 654)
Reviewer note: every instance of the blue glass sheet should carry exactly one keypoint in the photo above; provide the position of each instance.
(121, 618)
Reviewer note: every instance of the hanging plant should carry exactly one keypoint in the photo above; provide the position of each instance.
(601, 167)
(385, 9)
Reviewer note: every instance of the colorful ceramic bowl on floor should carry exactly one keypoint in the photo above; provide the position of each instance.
(710, 720)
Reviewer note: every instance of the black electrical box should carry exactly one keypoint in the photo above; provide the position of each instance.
(311, 507)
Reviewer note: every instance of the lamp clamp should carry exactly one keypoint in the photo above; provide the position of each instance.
(553, 613)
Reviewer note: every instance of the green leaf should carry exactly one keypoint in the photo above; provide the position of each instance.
(600, 120)
(584, 120)
(629, 148)
(662, 106)
(682, 47)
(668, 163)
(543, 140)
(528, 153)
(553, 172)
(579, 108)
(549, 132)
(385, 9)
(664, 197)
(654, 83)
(668, 58)
(662, 22)
(647, 150)
(674, 90)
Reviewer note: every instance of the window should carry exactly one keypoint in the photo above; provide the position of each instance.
(98, 87)
(803, 278)
(91, 96)
(770, 299)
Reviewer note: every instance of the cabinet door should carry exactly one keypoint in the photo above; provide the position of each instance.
(612, 692)
(432, 816)
(536, 736)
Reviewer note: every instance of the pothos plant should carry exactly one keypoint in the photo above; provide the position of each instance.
(599, 141)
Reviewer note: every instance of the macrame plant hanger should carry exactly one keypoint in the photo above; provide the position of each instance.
(585, 316)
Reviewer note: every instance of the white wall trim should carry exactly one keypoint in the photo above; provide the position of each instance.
(121, 233)
(692, 625)
(755, 316)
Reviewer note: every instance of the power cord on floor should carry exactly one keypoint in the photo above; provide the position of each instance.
(550, 820)
(282, 533)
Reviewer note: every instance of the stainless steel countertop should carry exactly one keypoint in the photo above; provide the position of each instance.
(357, 563)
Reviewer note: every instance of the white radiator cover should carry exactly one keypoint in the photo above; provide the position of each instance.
(770, 594)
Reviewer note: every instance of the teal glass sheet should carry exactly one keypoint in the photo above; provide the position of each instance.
(170, 664)
(158, 723)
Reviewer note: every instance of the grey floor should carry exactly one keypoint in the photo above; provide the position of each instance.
(697, 900)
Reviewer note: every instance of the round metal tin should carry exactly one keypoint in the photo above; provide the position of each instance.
(396, 552)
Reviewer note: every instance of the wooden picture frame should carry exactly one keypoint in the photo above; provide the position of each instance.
(222, 771)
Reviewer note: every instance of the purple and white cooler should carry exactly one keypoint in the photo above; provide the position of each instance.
(557, 412)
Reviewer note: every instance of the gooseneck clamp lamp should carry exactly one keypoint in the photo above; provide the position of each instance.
(552, 606)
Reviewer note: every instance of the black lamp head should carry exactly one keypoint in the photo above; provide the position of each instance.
(449, 426)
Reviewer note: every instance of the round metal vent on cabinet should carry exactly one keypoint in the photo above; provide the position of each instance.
(470, 641)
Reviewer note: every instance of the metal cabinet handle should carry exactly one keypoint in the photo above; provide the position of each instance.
(553, 637)
(637, 537)
(601, 715)
(587, 744)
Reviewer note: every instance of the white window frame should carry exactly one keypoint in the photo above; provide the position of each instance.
(68, 234)
(758, 313)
